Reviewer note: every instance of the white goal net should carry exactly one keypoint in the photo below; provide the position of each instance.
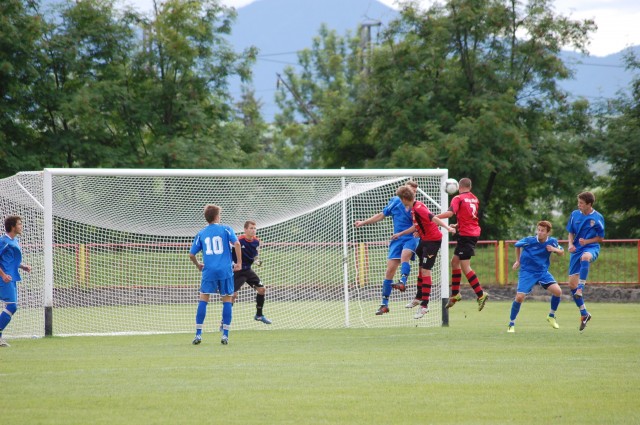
(109, 248)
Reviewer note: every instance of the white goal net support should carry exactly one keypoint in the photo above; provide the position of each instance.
(109, 248)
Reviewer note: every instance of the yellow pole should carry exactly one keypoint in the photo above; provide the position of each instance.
(82, 264)
(362, 264)
(501, 262)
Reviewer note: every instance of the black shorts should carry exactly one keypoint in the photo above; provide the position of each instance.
(246, 276)
(427, 252)
(466, 247)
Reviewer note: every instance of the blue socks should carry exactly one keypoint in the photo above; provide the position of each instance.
(227, 309)
(405, 269)
(200, 315)
(579, 302)
(555, 302)
(386, 291)
(7, 313)
(515, 309)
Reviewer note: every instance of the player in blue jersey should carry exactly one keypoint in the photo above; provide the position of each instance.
(217, 268)
(250, 250)
(532, 257)
(401, 250)
(10, 265)
(586, 230)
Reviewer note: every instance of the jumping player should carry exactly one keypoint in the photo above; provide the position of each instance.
(465, 207)
(426, 224)
(532, 257)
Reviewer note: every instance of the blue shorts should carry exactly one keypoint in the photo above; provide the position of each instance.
(222, 286)
(398, 245)
(8, 292)
(527, 280)
(574, 262)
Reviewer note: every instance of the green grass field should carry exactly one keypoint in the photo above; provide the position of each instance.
(471, 372)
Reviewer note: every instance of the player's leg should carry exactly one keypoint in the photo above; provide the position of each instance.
(556, 294)
(517, 303)
(425, 274)
(574, 281)
(409, 247)
(254, 281)
(456, 277)
(393, 261)
(201, 311)
(418, 298)
(467, 250)
(420, 251)
(239, 279)
(226, 295)
(427, 261)
(586, 259)
(6, 314)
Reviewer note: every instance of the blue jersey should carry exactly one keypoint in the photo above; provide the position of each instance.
(10, 260)
(585, 227)
(534, 256)
(215, 242)
(249, 251)
(401, 215)
(10, 257)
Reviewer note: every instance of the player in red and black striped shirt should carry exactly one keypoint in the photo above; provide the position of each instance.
(465, 206)
(426, 224)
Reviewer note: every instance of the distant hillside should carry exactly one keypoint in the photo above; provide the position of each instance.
(279, 28)
(595, 77)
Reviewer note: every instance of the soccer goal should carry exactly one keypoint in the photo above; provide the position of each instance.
(109, 248)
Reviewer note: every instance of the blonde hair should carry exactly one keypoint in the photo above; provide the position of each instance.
(404, 192)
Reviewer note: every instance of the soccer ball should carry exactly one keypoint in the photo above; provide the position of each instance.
(451, 186)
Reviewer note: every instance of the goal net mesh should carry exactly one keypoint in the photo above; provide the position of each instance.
(120, 251)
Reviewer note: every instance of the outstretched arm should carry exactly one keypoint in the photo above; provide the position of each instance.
(446, 214)
(441, 223)
(373, 219)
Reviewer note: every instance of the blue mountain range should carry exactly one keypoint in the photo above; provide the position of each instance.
(280, 28)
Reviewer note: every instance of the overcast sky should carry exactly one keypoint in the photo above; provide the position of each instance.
(618, 20)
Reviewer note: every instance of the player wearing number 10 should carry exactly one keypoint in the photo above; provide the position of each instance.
(217, 268)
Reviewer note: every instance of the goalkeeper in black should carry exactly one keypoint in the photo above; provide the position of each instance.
(250, 251)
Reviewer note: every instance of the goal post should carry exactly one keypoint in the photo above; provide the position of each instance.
(109, 248)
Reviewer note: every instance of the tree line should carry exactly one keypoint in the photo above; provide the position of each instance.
(468, 85)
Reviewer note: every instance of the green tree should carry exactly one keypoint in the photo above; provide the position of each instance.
(618, 144)
(82, 61)
(456, 86)
(20, 30)
(180, 78)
